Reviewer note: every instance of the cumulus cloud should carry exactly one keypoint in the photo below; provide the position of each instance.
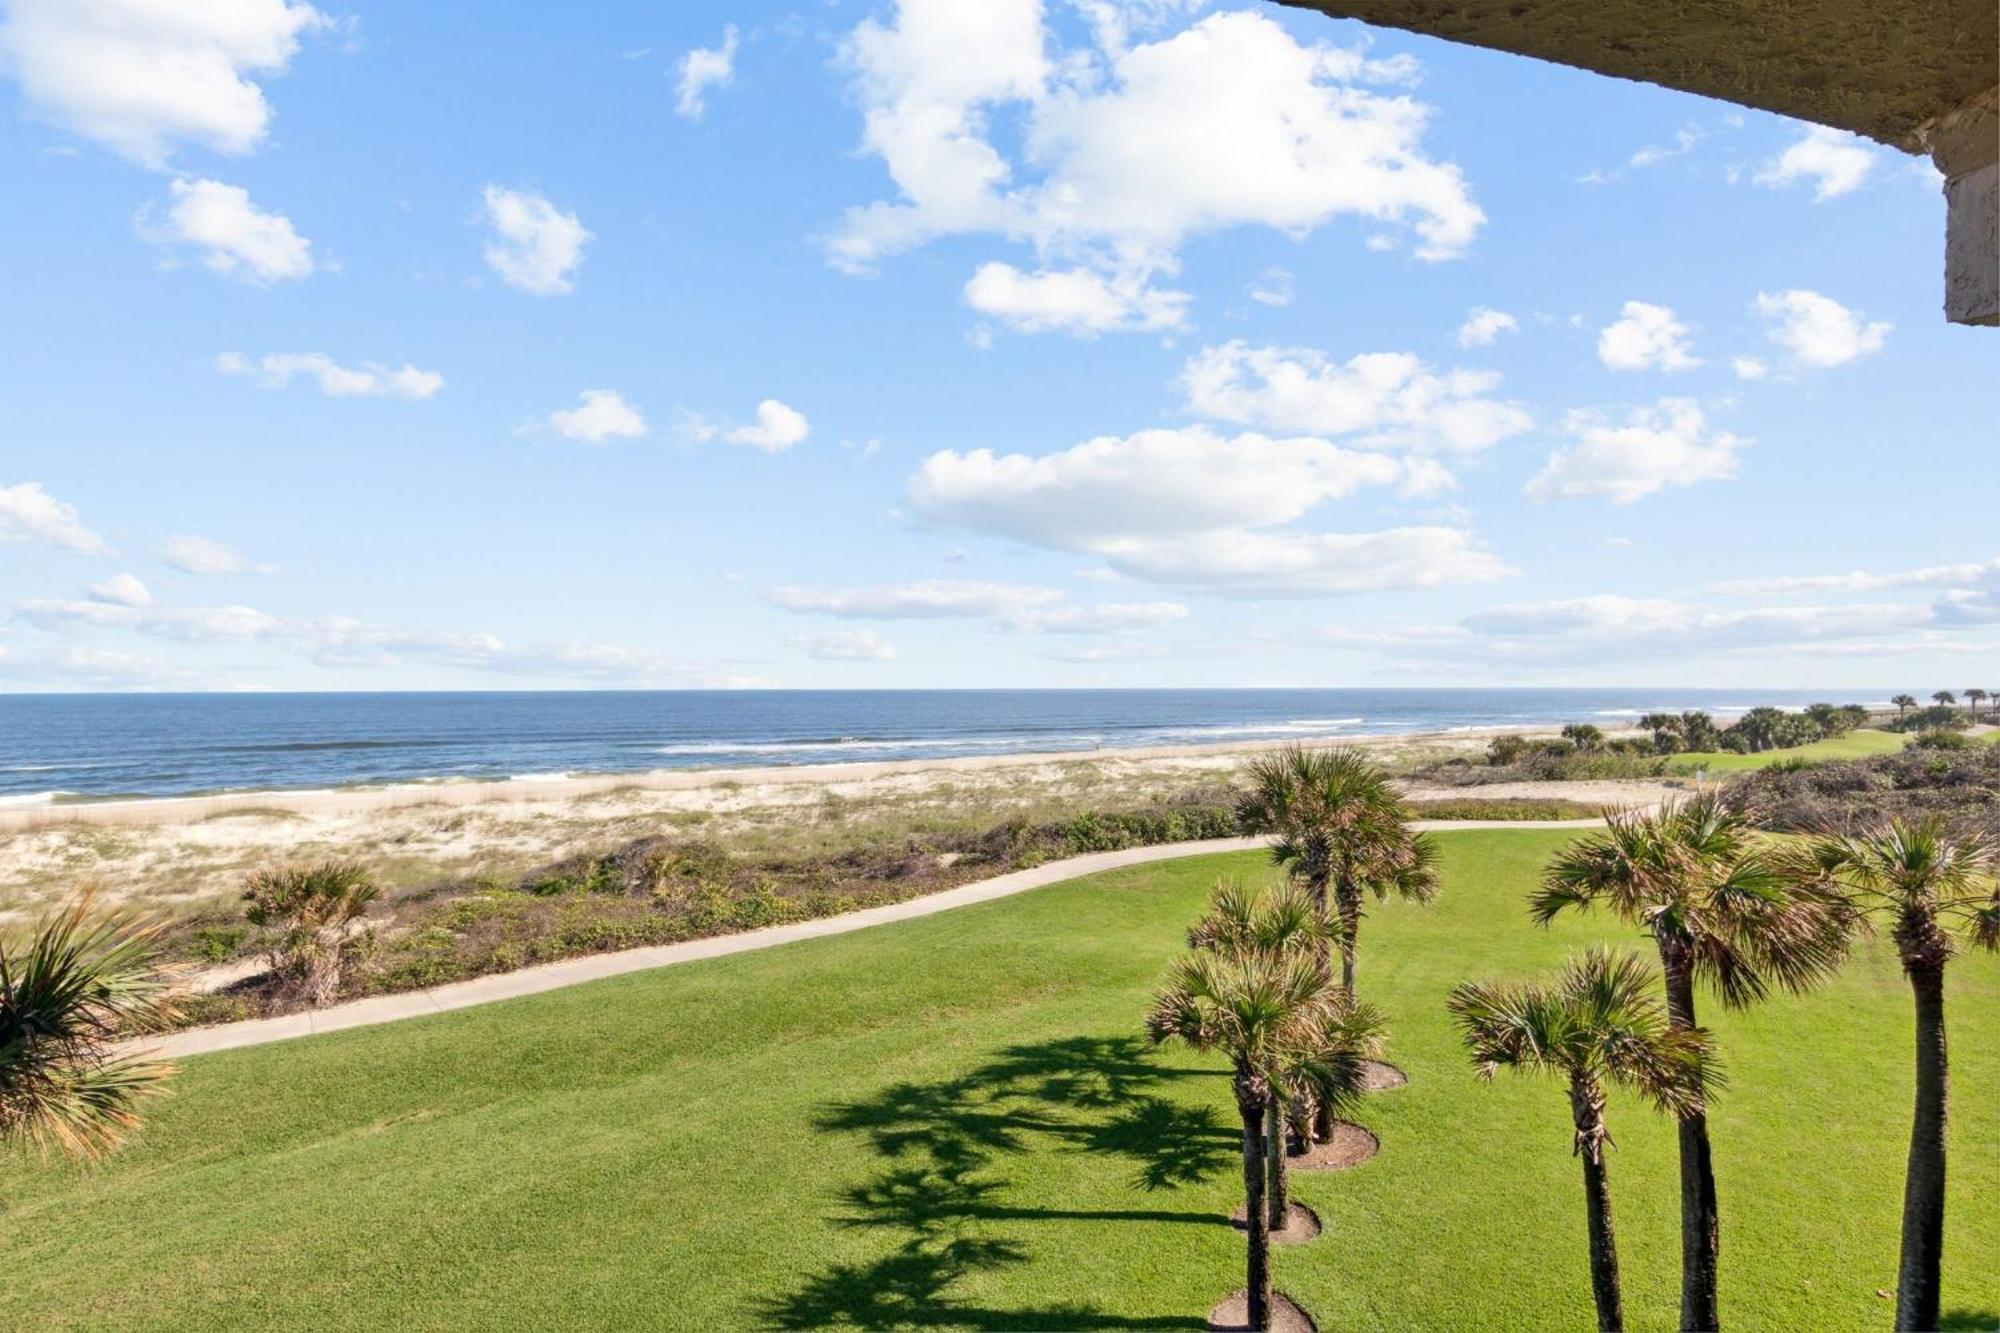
(776, 429)
(534, 245)
(368, 380)
(1384, 400)
(141, 77)
(122, 590)
(1817, 330)
(1074, 300)
(932, 599)
(1669, 444)
(603, 415)
(1483, 325)
(1749, 367)
(1835, 161)
(30, 514)
(200, 555)
(702, 69)
(845, 645)
(1273, 288)
(233, 237)
(1646, 337)
(1120, 150)
(1193, 508)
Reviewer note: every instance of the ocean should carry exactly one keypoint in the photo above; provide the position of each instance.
(63, 747)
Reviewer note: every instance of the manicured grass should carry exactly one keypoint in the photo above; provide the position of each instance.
(948, 1124)
(1861, 743)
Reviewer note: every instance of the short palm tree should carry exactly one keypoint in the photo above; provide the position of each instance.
(1322, 1062)
(1340, 830)
(314, 908)
(1693, 876)
(1904, 703)
(1944, 698)
(1973, 698)
(1929, 884)
(68, 992)
(1251, 1007)
(1597, 1024)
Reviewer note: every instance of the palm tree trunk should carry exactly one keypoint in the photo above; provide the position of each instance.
(1701, 1231)
(1587, 1108)
(1280, 1204)
(1917, 1284)
(1350, 931)
(1256, 1219)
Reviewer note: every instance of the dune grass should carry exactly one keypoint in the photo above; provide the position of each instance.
(1862, 743)
(949, 1124)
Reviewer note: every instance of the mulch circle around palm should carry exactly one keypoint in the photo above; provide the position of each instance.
(1380, 1076)
(1301, 1224)
(1233, 1315)
(1351, 1145)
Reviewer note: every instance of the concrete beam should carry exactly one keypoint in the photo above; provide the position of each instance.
(1965, 145)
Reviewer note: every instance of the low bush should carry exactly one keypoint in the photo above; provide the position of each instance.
(1500, 807)
(1959, 783)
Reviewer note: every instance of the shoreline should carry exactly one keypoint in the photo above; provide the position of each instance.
(343, 801)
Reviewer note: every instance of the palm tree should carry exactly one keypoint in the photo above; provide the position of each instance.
(1251, 1007)
(1596, 1024)
(68, 992)
(315, 908)
(1929, 883)
(1944, 698)
(1322, 1063)
(1693, 877)
(1904, 703)
(1340, 829)
(1973, 698)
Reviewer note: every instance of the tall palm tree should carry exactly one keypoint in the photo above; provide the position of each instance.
(1322, 1062)
(1973, 698)
(1250, 1007)
(1944, 698)
(1693, 877)
(1904, 703)
(1929, 884)
(1598, 1023)
(68, 991)
(1340, 830)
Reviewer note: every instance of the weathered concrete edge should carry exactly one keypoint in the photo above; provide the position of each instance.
(594, 967)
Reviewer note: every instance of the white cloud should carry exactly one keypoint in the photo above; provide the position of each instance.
(604, 415)
(932, 599)
(845, 645)
(69, 666)
(776, 429)
(1128, 148)
(1685, 140)
(1835, 161)
(1972, 574)
(1192, 508)
(1104, 618)
(704, 68)
(1668, 444)
(1749, 367)
(1818, 330)
(235, 238)
(1483, 324)
(1646, 337)
(199, 555)
(30, 514)
(1383, 399)
(368, 380)
(1076, 301)
(1274, 288)
(535, 246)
(140, 76)
(345, 642)
(122, 590)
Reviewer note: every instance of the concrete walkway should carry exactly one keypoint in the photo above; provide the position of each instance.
(572, 971)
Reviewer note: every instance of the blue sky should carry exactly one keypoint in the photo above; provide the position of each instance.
(1037, 344)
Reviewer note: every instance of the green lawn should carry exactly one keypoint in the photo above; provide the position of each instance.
(948, 1124)
(1859, 744)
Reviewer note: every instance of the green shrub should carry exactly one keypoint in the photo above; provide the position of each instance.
(1943, 740)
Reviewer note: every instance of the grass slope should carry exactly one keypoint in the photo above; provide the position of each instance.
(1858, 744)
(948, 1124)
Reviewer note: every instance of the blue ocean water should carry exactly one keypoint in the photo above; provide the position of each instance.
(93, 746)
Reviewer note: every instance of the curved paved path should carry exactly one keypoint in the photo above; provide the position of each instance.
(572, 971)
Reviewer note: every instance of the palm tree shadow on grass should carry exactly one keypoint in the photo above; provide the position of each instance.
(1969, 1321)
(940, 1144)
